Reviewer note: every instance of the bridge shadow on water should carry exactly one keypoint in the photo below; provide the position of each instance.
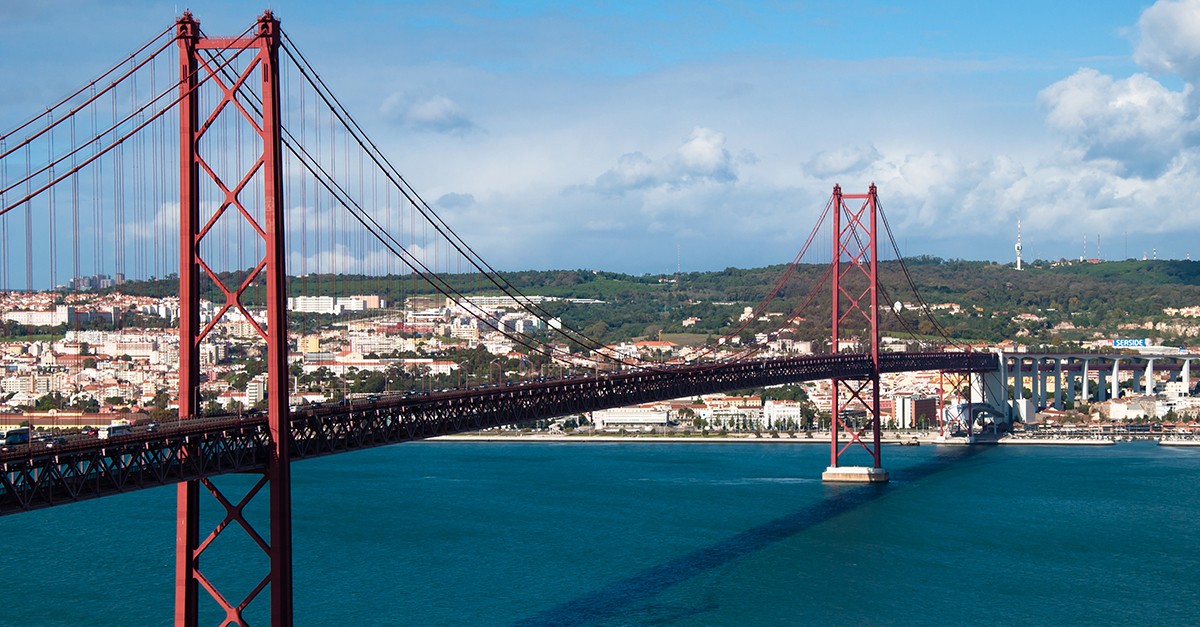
(620, 597)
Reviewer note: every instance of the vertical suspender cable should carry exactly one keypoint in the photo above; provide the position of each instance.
(3, 222)
(75, 226)
(118, 196)
(50, 199)
(28, 227)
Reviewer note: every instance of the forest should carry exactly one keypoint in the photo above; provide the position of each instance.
(1069, 302)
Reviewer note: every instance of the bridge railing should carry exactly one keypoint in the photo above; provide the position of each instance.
(949, 362)
(33, 478)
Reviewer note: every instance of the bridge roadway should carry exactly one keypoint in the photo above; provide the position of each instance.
(33, 478)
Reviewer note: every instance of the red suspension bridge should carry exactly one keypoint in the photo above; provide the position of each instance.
(228, 161)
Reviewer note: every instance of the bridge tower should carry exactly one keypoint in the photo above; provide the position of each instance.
(855, 317)
(219, 74)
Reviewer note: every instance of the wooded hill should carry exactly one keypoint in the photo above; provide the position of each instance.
(1073, 300)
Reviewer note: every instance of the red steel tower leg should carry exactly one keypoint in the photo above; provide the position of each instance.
(187, 532)
(210, 62)
(280, 468)
(855, 310)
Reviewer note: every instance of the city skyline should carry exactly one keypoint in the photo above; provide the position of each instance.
(644, 139)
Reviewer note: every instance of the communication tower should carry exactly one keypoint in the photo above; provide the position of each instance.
(1018, 246)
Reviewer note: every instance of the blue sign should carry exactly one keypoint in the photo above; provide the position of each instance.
(1129, 343)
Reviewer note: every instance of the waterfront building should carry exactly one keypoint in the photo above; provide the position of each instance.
(637, 417)
(783, 414)
(911, 411)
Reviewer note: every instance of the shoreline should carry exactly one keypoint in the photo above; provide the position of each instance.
(1179, 442)
(1056, 441)
(816, 439)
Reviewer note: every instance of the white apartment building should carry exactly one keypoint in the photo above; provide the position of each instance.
(334, 306)
(638, 417)
(780, 414)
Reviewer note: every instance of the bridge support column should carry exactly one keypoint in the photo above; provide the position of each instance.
(1070, 385)
(1018, 380)
(855, 296)
(1185, 375)
(265, 216)
(1039, 400)
(1002, 393)
(1115, 385)
(1058, 383)
(1087, 386)
(990, 388)
(1149, 385)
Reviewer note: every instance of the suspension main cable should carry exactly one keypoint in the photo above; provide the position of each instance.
(812, 294)
(417, 266)
(924, 305)
(116, 142)
(311, 164)
(419, 203)
(95, 95)
(791, 268)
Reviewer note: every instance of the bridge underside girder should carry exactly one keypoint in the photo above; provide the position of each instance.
(196, 449)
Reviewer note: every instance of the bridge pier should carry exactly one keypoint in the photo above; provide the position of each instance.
(1083, 382)
(1070, 385)
(1058, 383)
(855, 474)
(1101, 388)
(1038, 399)
(1018, 379)
(1115, 391)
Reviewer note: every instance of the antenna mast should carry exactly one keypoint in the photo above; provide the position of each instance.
(1018, 246)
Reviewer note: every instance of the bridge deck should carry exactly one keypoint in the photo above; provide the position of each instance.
(34, 478)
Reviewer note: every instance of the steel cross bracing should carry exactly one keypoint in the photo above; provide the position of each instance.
(960, 381)
(855, 299)
(205, 60)
(196, 449)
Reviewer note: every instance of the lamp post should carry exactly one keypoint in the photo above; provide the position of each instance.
(462, 366)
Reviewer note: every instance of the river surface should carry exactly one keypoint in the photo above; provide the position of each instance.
(465, 533)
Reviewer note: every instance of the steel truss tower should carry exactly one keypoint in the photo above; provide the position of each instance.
(855, 317)
(219, 74)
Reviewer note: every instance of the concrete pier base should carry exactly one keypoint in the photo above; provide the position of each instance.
(855, 474)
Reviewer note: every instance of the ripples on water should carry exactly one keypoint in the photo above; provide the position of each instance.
(664, 534)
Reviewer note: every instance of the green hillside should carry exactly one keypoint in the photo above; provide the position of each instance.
(1092, 298)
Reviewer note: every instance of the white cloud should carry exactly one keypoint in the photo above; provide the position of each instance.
(454, 200)
(343, 259)
(701, 158)
(438, 114)
(1169, 39)
(842, 160)
(703, 155)
(615, 169)
(633, 171)
(1135, 121)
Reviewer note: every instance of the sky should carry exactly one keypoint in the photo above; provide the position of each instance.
(645, 137)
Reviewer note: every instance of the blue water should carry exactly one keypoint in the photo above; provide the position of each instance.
(660, 534)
